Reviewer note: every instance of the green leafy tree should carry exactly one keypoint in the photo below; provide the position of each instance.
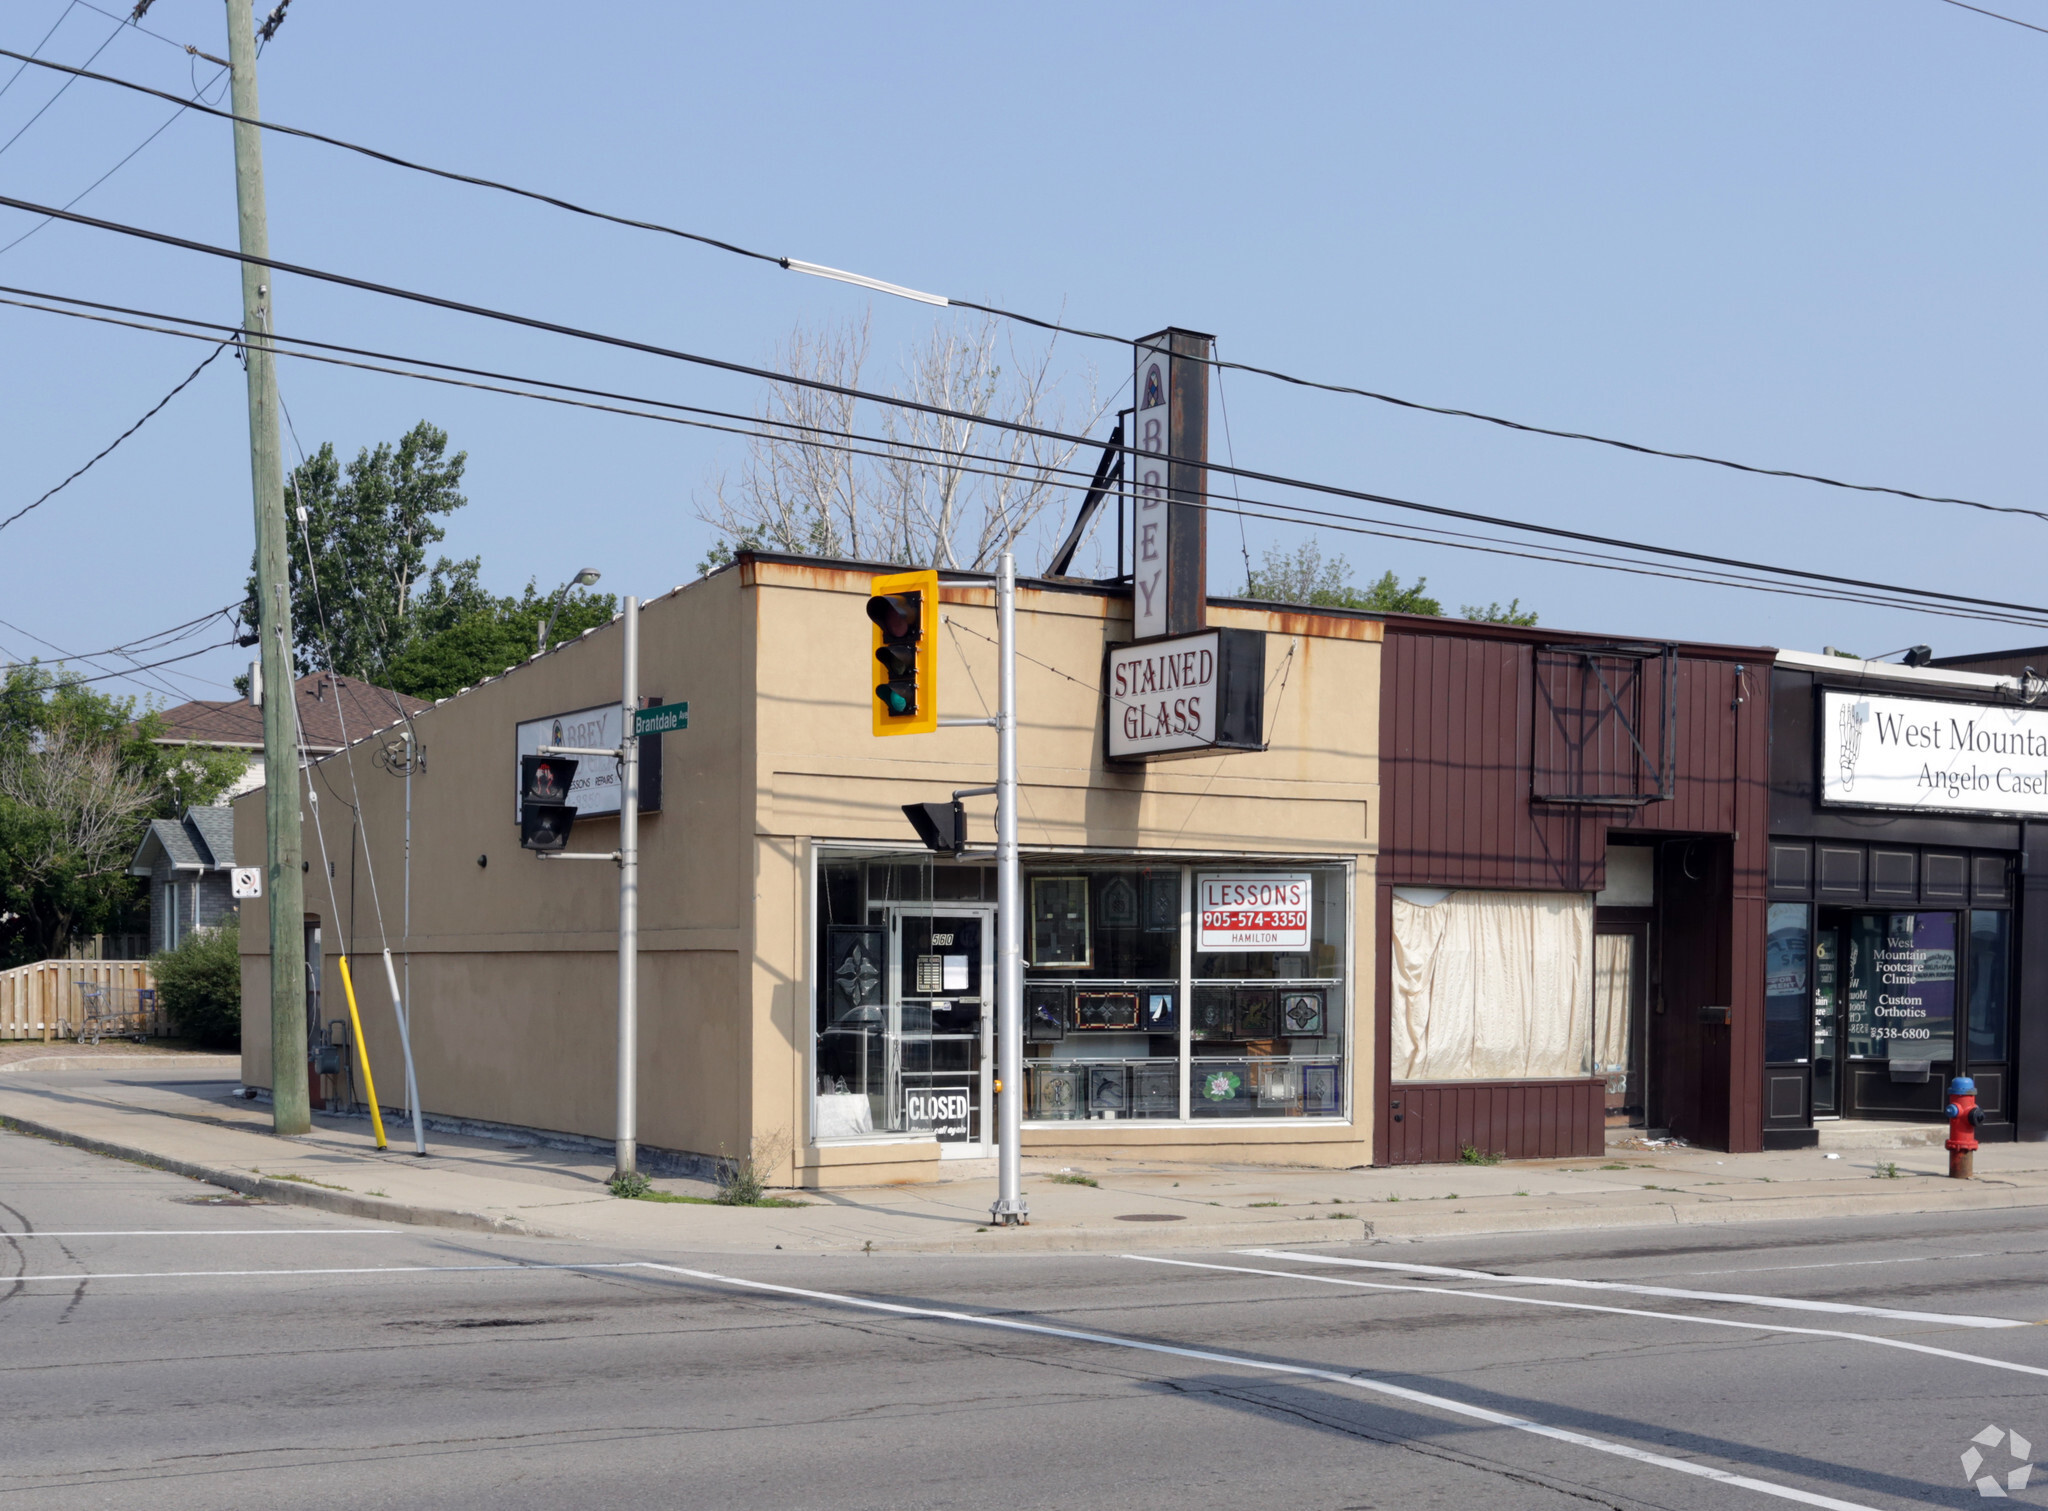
(1494, 613)
(1305, 576)
(460, 644)
(201, 986)
(369, 531)
(81, 775)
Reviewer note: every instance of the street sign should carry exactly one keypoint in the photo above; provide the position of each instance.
(663, 720)
(246, 881)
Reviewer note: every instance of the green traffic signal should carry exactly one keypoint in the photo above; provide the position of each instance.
(900, 617)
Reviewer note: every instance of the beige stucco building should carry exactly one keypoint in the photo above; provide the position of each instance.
(811, 979)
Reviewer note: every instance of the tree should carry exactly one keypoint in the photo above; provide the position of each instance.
(1494, 613)
(461, 642)
(201, 986)
(80, 777)
(1305, 576)
(937, 490)
(369, 533)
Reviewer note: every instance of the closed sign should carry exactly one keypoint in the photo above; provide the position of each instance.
(937, 1109)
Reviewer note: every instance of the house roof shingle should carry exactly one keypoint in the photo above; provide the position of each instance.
(326, 702)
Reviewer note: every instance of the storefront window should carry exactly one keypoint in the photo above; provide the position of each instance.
(1988, 957)
(1902, 986)
(1492, 986)
(1152, 991)
(1785, 999)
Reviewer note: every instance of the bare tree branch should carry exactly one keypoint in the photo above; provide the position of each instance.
(948, 491)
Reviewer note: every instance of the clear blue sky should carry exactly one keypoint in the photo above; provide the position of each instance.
(1806, 236)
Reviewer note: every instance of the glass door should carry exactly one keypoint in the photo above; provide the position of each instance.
(941, 1022)
(1827, 1010)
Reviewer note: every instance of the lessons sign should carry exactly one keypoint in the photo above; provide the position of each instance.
(1914, 753)
(1235, 913)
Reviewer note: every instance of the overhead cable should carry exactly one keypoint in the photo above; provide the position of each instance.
(150, 414)
(921, 296)
(1020, 427)
(1996, 16)
(1863, 589)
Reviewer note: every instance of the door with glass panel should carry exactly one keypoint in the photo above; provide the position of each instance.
(1789, 1022)
(1898, 993)
(939, 1045)
(1620, 1004)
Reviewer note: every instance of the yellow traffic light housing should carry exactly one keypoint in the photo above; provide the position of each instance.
(904, 609)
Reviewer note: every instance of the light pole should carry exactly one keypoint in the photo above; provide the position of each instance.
(582, 579)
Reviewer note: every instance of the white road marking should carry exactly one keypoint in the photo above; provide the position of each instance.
(1619, 1311)
(199, 1232)
(1783, 1303)
(1840, 1264)
(377, 1269)
(1239, 1361)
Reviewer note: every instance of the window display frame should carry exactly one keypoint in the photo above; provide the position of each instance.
(1324, 1072)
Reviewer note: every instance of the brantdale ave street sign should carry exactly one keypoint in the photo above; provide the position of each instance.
(1185, 695)
(663, 720)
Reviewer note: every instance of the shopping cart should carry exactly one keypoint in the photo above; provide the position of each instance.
(116, 1012)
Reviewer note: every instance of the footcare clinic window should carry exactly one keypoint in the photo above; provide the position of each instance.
(1191, 990)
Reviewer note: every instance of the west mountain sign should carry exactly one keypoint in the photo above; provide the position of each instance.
(1912, 753)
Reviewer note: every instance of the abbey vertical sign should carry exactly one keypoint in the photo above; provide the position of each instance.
(1167, 472)
(1913, 753)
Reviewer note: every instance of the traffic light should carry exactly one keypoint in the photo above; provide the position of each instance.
(905, 611)
(544, 816)
(942, 826)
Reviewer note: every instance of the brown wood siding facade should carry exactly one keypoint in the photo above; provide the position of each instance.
(1468, 712)
(1433, 1123)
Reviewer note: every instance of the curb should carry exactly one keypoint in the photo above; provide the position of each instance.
(287, 1192)
(93, 1062)
(1383, 1227)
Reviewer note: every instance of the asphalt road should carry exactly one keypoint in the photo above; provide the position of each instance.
(160, 1349)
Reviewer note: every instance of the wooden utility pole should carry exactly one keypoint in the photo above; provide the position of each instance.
(285, 886)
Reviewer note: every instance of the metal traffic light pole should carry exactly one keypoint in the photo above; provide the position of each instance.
(1009, 1207)
(626, 1132)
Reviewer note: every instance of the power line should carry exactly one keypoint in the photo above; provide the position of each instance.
(531, 322)
(124, 162)
(31, 57)
(153, 410)
(1840, 589)
(1994, 15)
(901, 291)
(53, 99)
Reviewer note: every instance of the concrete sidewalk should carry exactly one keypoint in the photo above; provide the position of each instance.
(184, 1113)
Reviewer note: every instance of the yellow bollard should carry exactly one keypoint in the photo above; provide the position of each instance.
(355, 1025)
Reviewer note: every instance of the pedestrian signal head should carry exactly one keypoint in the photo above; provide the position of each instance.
(904, 611)
(545, 815)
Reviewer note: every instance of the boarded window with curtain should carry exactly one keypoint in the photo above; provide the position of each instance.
(1492, 986)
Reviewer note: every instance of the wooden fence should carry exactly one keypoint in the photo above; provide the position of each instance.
(43, 1001)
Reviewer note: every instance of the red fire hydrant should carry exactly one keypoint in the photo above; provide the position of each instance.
(1963, 1117)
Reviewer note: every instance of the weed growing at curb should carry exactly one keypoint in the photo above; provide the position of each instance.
(1468, 1155)
(1266, 1204)
(1075, 1180)
(637, 1187)
(304, 1180)
(1614, 1167)
(1886, 1170)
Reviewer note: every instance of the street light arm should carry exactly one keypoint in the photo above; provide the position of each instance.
(548, 625)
